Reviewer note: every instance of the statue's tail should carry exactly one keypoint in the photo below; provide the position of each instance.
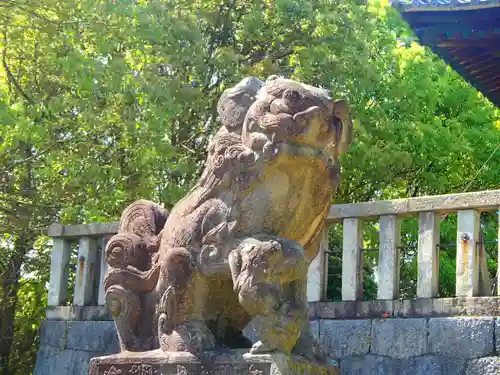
(132, 254)
(134, 268)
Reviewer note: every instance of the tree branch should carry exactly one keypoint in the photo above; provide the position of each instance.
(10, 76)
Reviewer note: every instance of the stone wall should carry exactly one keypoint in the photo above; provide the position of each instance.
(391, 346)
(67, 346)
(413, 346)
(427, 336)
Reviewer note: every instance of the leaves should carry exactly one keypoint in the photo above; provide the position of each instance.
(104, 102)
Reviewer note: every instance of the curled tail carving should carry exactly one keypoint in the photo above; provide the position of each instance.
(134, 269)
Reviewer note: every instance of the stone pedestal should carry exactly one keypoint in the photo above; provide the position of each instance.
(230, 362)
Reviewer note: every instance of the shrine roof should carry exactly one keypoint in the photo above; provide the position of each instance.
(465, 34)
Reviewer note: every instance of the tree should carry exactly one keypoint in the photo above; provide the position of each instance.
(422, 130)
(103, 102)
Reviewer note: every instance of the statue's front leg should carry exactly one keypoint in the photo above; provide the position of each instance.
(181, 291)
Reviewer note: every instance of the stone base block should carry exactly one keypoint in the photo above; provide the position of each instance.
(230, 362)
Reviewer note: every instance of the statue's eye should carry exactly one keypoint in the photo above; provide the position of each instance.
(292, 97)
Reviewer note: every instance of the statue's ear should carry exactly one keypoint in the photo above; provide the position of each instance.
(234, 103)
(342, 114)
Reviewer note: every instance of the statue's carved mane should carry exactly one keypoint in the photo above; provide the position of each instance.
(256, 116)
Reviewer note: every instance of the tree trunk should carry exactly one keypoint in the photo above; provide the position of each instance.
(10, 286)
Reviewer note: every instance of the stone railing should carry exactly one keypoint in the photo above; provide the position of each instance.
(88, 242)
(423, 335)
(472, 277)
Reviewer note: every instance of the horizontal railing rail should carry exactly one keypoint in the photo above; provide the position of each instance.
(87, 242)
(471, 271)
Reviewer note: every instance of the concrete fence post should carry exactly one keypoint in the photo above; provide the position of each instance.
(85, 269)
(101, 298)
(352, 260)
(59, 272)
(428, 255)
(388, 265)
(467, 284)
(315, 275)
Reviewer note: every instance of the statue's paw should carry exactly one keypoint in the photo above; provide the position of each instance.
(191, 336)
(131, 343)
(165, 325)
(260, 348)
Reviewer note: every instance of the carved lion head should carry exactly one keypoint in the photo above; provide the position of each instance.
(262, 119)
(281, 110)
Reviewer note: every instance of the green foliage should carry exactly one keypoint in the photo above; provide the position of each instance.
(103, 102)
(32, 302)
(421, 130)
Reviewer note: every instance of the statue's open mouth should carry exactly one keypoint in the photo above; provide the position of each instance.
(329, 141)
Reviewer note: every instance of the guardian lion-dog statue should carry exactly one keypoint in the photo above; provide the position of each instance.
(238, 246)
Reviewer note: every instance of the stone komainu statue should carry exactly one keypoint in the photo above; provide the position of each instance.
(238, 246)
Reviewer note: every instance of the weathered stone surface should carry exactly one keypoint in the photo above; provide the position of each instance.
(208, 363)
(315, 327)
(64, 313)
(424, 365)
(52, 361)
(399, 338)
(352, 260)
(428, 254)
(422, 307)
(250, 332)
(345, 338)
(317, 272)
(370, 365)
(466, 306)
(461, 337)
(78, 313)
(80, 230)
(439, 203)
(53, 333)
(483, 366)
(353, 309)
(388, 257)
(85, 272)
(467, 278)
(193, 277)
(434, 365)
(93, 336)
(99, 313)
(58, 285)
(497, 335)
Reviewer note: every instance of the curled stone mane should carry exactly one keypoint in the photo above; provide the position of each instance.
(257, 116)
